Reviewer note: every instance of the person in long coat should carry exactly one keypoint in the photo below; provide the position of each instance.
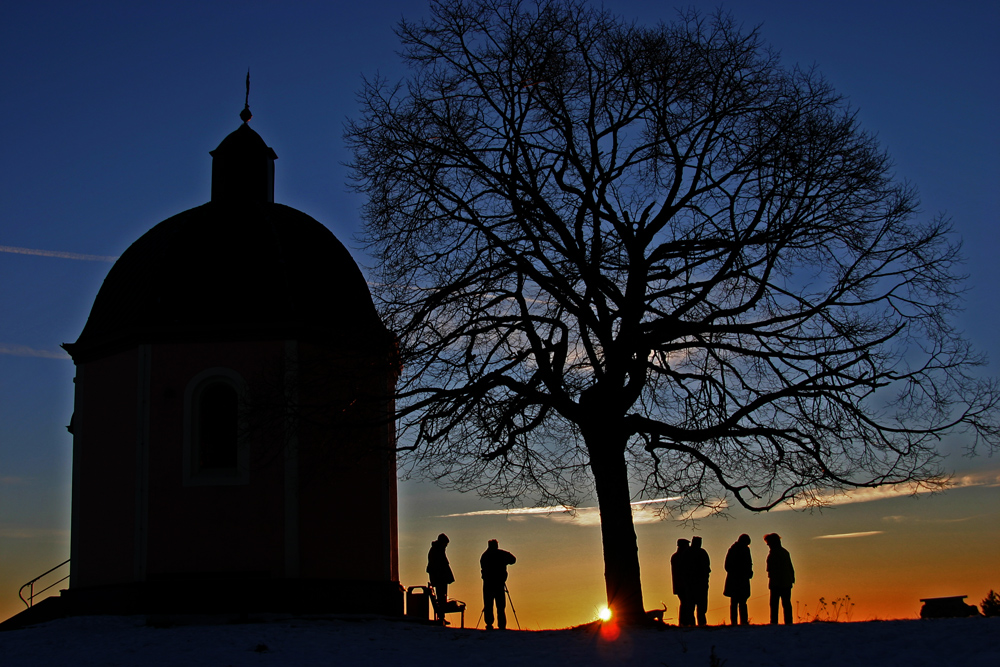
(701, 568)
(439, 571)
(739, 572)
(780, 577)
(680, 574)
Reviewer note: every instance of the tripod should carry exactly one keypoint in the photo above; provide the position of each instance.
(507, 590)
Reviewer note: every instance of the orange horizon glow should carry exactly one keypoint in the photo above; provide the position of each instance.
(884, 555)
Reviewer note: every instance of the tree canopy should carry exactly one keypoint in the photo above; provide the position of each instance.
(651, 261)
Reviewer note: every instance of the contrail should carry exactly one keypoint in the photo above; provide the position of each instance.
(25, 351)
(549, 510)
(56, 253)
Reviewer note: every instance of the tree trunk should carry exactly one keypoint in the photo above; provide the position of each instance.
(621, 549)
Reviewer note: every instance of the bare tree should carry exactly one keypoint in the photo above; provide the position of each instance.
(651, 260)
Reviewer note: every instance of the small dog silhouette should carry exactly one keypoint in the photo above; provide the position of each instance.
(656, 614)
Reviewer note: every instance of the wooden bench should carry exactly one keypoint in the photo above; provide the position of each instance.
(449, 607)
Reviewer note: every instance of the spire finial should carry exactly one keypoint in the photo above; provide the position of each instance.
(245, 115)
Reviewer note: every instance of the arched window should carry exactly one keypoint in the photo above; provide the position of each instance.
(217, 428)
(214, 447)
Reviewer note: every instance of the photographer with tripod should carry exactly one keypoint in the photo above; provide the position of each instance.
(493, 563)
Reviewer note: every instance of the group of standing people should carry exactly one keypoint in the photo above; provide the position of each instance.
(493, 566)
(690, 568)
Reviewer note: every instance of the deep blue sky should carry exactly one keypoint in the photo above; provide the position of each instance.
(108, 111)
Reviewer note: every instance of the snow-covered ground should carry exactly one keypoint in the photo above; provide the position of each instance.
(115, 640)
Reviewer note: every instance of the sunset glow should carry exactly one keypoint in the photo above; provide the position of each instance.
(884, 554)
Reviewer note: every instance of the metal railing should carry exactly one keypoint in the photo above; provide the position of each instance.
(30, 600)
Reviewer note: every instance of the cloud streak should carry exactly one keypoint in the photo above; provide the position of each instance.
(22, 533)
(643, 511)
(25, 351)
(899, 518)
(847, 536)
(57, 253)
(834, 498)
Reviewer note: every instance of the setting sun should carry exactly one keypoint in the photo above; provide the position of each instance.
(604, 614)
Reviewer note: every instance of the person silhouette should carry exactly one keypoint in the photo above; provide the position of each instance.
(680, 574)
(780, 577)
(493, 564)
(739, 572)
(701, 567)
(439, 572)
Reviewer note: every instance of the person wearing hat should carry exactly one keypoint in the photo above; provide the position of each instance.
(439, 571)
(739, 572)
(780, 578)
(493, 563)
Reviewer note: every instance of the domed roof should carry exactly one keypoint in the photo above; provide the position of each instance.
(244, 140)
(237, 268)
(233, 272)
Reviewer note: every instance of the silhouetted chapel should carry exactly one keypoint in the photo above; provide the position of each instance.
(232, 431)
